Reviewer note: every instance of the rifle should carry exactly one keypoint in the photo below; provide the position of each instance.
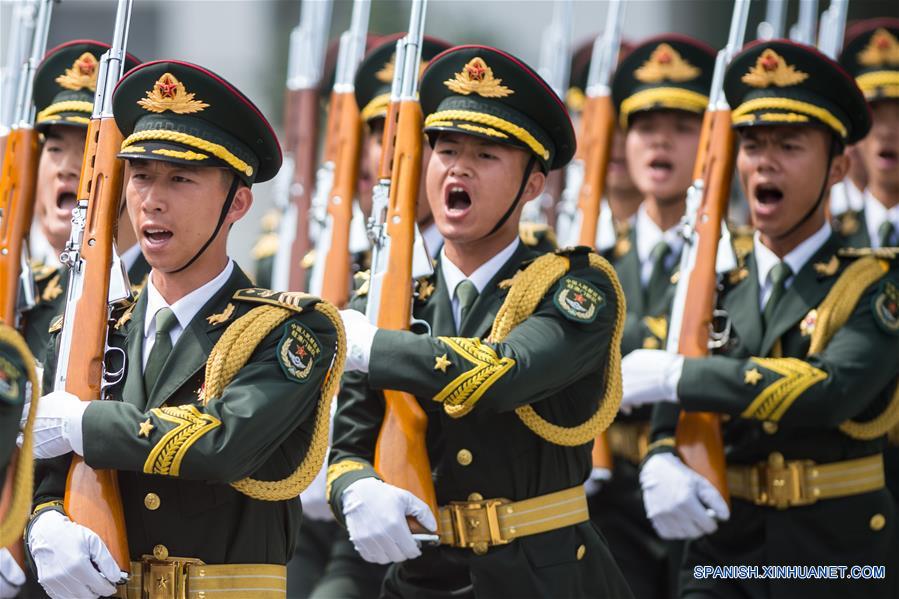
(308, 42)
(92, 496)
(401, 454)
(21, 32)
(331, 272)
(17, 185)
(555, 68)
(698, 434)
(803, 31)
(833, 26)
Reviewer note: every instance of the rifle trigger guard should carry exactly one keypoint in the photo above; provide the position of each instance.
(718, 337)
(418, 322)
(113, 377)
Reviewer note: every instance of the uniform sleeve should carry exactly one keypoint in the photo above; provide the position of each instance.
(233, 435)
(822, 390)
(556, 345)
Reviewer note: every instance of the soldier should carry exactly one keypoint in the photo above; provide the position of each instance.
(871, 55)
(18, 384)
(202, 453)
(64, 86)
(807, 381)
(496, 129)
(660, 92)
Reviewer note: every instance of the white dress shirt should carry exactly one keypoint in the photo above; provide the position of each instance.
(648, 236)
(480, 277)
(765, 259)
(185, 308)
(876, 214)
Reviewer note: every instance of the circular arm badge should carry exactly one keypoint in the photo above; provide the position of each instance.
(886, 307)
(578, 300)
(298, 351)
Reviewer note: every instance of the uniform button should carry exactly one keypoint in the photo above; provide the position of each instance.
(581, 552)
(475, 497)
(878, 521)
(769, 427)
(161, 552)
(464, 457)
(152, 501)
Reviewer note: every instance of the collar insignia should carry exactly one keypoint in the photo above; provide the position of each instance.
(771, 69)
(476, 77)
(882, 49)
(222, 316)
(170, 94)
(81, 75)
(666, 63)
(827, 269)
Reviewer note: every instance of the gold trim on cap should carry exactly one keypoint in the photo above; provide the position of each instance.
(66, 106)
(886, 83)
(219, 151)
(187, 155)
(480, 118)
(376, 108)
(790, 105)
(676, 98)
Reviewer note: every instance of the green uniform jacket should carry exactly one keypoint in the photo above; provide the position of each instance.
(776, 399)
(170, 445)
(548, 361)
(853, 228)
(13, 387)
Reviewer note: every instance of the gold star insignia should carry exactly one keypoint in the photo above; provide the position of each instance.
(441, 363)
(145, 427)
(752, 377)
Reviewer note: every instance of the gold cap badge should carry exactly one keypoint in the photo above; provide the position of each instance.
(170, 94)
(666, 63)
(772, 69)
(476, 77)
(882, 49)
(82, 74)
(385, 75)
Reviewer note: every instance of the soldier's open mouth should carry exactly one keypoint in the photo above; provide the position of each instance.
(65, 201)
(661, 165)
(888, 159)
(768, 194)
(457, 200)
(155, 235)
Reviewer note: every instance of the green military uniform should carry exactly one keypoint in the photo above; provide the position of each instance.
(64, 86)
(804, 394)
(871, 55)
(476, 385)
(668, 72)
(207, 454)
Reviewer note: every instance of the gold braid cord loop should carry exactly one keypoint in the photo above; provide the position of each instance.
(833, 313)
(13, 521)
(232, 352)
(528, 289)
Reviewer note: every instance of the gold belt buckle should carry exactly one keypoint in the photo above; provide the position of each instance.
(782, 483)
(476, 524)
(165, 578)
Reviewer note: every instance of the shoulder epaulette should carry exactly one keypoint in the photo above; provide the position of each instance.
(56, 324)
(532, 234)
(292, 300)
(847, 223)
(42, 272)
(887, 253)
(271, 220)
(266, 246)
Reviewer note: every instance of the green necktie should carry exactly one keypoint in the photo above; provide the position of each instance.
(779, 275)
(658, 277)
(467, 294)
(162, 347)
(886, 231)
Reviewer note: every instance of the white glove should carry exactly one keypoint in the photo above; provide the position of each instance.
(594, 483)
(680, 503)
(375, 515)
(57, 425)
(649, 376)
(360, 334)
(11, 576)
(71, 560)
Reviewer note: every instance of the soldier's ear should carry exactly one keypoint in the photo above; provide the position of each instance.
(535, 185)
(839, 168)
(243, 201)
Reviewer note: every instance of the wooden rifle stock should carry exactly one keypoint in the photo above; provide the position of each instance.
(401, 453)
(92, 497)
(302, 139)
(385, 164)
(336, 285)
(698, 436)
(17, 187)
(597, 129)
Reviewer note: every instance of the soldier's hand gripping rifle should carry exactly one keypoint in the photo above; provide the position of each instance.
(17, 185)
(698, 434)
(331, 272)
(308, 43)
(401, 455)
(97, 281)
(555, 68)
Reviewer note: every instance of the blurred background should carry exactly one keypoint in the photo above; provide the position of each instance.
(246, 41)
